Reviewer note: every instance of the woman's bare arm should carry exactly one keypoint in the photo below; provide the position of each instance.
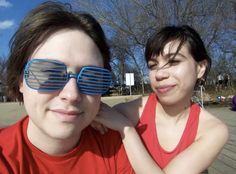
(193, 160)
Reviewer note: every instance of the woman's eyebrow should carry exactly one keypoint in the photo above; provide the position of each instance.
(152, 59)
(170, 55)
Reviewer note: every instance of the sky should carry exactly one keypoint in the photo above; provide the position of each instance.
(11, 14)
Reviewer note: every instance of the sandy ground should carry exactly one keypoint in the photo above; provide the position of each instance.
(11, 112)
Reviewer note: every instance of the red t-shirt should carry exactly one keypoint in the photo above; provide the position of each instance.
(146, 128)
(95, 154)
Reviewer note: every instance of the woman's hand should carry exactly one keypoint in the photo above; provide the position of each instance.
(110, 118)
(99, 127)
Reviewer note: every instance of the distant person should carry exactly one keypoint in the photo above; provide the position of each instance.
(226, 80)
(177, 136)
(59, 68)
(220, 80)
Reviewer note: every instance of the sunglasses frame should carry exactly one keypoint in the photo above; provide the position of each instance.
(85, 82)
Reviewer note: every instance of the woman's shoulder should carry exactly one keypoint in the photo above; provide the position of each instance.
(210, 127)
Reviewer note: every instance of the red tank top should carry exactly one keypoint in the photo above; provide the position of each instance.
(147, 130)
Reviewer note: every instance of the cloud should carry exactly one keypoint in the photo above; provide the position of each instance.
(6, 24)
(5, 3)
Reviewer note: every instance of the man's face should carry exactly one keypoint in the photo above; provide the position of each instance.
(65, 113)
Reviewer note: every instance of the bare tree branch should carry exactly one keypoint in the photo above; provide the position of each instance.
(129, 23)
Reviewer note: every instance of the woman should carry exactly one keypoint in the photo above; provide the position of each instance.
(177, 136)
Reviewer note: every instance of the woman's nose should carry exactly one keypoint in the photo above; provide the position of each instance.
(161, 74)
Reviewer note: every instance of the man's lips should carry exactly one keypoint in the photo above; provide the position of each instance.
(66, 115)
(66, 112)
(165, 88)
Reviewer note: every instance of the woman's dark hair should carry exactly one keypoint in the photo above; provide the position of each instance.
(37, 26)
(184, 34)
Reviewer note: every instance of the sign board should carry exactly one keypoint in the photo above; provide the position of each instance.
(129, 79)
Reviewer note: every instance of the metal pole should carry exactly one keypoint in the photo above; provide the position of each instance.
(201, 95)
(130, 84)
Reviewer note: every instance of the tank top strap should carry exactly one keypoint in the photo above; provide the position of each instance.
(191, 128)
(148, 114)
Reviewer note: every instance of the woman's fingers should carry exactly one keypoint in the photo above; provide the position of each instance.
(99, 127)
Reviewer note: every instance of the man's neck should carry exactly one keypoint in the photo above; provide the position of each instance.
(50, 145)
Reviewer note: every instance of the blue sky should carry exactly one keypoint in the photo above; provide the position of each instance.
(11, 14)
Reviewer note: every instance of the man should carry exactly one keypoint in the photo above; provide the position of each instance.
(59, 68)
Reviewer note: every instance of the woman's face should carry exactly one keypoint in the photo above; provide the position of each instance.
(173, 77)
(65, 113)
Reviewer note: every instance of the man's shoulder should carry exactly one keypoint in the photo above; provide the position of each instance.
(12, 132)
(9, 130)
(11, 142)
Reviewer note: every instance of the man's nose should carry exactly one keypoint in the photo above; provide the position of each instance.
(71, 92)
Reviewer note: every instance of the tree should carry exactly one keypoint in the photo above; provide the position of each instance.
(129, 23)
(3, 62)
(2, 77)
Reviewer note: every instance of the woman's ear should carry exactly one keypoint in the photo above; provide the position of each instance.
(201, 68)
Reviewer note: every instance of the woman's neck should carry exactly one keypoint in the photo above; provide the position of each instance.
(175, 111)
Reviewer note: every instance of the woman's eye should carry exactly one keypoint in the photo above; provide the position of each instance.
(173, 62)
(152, 66)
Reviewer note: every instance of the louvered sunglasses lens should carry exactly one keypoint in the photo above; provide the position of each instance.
(45, 75)
(93, 80)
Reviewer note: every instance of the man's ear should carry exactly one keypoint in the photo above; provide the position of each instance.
(21, 84)
(201, 68)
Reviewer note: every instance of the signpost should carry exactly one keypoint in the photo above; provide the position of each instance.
(129, 80)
